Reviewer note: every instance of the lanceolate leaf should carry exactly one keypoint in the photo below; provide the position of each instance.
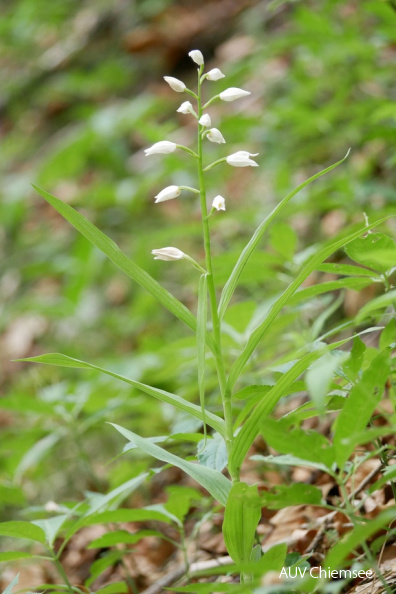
(113, 252)
(212, 480)
(286, 296)
(64, 361)
(25, 530)
(241, 516)
(232, 282)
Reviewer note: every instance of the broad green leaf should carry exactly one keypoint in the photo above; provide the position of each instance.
(241, 517)
(64, 361)
(319, 376)
(274, 559)
(14, 556)
(126, 515)
(114, 588)
(180, 500)
(202, 315)
(214, 454)
(113, 252)
(388, 335)
(360, 405)
(251, 428)
(11, 585)
(309, 266)
(108, 558)
(212, 480)
(354, 364)
(25, 530)
(375, 250)
(51, 527)
(374, 305)
(112, 539)
(295, 494)
(307, 445)
(232, 282)
(289, 460)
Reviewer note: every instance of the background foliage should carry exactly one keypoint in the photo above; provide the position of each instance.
(82, 96)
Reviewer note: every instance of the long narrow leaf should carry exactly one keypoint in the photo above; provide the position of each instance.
(232, 282)
(252, 426)
(286, 296)
(212, 480)
(201, 336)
(113, 252)
(64, 361)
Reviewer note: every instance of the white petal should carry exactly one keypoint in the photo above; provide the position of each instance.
(219, 203)
(186, 107)
(242, 159)
(205, 120)
(175, 84)
(163, 147)
(233, 93)
(167, 194)
(214, 135)
(168, 254)
(215, 74)
(197, 57)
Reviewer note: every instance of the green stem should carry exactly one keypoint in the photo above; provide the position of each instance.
(62, 573)
(227, 407)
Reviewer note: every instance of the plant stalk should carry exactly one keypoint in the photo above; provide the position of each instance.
(227, 407)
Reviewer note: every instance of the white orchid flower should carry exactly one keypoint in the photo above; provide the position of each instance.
(175, 84)
(168, 193)
(218, 203)
(242, 159)
(186, 108)
(169, 254)
(215, 74)
(233, 93)
(205, 120)
(197, 57)
(214, 135)
(163, 147)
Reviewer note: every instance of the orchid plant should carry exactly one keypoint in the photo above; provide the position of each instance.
(229, 432)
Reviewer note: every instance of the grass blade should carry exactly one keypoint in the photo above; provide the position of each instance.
(311, 265)
(64, 361)
(243, 259)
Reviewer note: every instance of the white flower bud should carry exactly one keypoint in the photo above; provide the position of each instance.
(167, 193)
(233, 93)
(164, 146)
(175, 84)
(169, 254)
(242, 159)
(214, 135)
(186, 107)
(205, 120)
(218, 203)
(215, 74)
(197, 57)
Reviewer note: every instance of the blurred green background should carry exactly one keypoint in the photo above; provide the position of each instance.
(82, 96)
